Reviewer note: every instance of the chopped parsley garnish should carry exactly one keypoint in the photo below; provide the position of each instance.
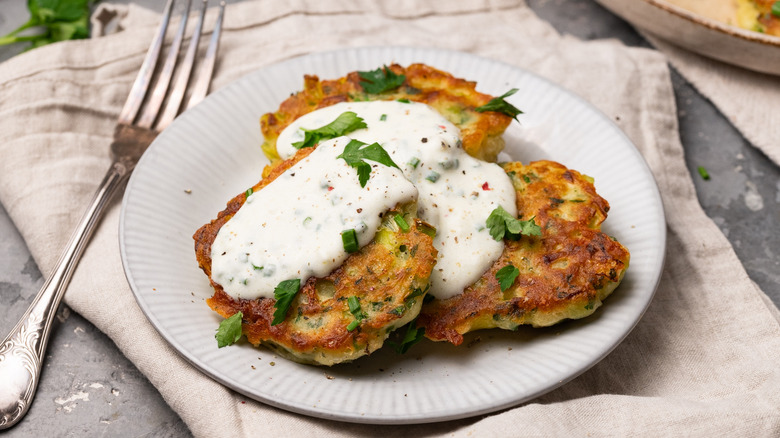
(350, 241)
(229, 331)
(502, 224)
(355, 154)
(412, 336)
(703, 173)
(498, 104)
(356, 311)
(402, 224)
(380, 80)
(284, 294)
(506, 276)
(345, 123)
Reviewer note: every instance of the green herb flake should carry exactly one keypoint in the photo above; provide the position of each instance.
(356, 311)
(350, 241)
(433, 176)
(776, 9)
(249, 192)
(355, 155)
(502, 224)
(383, 118)
(380, 80)
(414, 162)
(703, 172)
(506, 276)
(498, 104)
(229, 331)
(404, 100)
(284, 294)
(412, 336)
(402, 224)
(345, 123)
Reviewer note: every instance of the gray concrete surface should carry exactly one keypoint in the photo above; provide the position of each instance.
(89, 388)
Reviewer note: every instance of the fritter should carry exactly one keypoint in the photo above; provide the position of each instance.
(388, 277)
(565, 273)
(757, 15)
(454, 98)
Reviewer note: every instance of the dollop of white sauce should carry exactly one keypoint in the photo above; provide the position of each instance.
(292, 227)
(457, 192)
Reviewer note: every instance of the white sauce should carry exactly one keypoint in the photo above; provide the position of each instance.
(292, 227)
(457, 203)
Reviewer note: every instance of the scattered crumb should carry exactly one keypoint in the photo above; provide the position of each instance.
(188, 191)
(329, 377)
(272, 363)
(253, 367)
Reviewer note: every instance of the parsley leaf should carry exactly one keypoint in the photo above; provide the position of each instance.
(229, 331)
(412, 336)
(502, 224)
(355, 154)
(506, 276)
(55, 20)
(284, 294)
(380, 80)
(498, 104)
(345, 123)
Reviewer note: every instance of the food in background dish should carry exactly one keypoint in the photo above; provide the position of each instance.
(426, 215)
(757, 15)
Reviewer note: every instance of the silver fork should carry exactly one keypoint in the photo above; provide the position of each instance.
(21, 353)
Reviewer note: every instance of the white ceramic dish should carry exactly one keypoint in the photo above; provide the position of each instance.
(700, 34)
(212, 152)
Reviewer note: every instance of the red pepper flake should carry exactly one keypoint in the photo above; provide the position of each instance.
(486, 186)
(442, 127)
(330, 188)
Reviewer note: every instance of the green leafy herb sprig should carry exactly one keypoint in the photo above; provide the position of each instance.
(502, 224)
(284, 294)
(380, 80)
(345, 123)
(229, 331)
(498, 104)
(355, 153)
(51, 21)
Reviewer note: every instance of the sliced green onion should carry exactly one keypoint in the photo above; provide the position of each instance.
(249, 191)
(402, 224)
(353, 325)
(427, 229)
(383, 117)
(414, 162)
(404, 100)
(703, 172)
(433, 177)
(349, 239)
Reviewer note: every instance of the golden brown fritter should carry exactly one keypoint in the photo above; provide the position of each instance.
(388, 276)
(452, 97)
(564, 274)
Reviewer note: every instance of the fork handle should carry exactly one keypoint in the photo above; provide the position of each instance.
(21, 353)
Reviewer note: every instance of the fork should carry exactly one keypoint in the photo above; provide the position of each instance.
(21, 353)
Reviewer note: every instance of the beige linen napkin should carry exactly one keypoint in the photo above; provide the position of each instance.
(750, 100)
(703, 361)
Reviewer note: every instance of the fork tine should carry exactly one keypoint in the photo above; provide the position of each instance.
(183, 74)
(141, 84)
(204, 76)
(164, 78)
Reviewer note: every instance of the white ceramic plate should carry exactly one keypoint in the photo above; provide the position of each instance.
(212, 152)
(700, 33)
